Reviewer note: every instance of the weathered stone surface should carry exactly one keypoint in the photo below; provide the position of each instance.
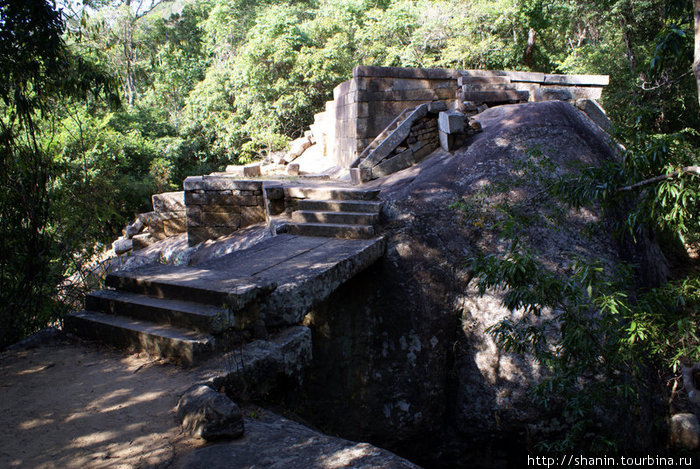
(221, 219)
(469, 80)
(496, 96)
(122, 245)
(552, 94)
(134, 228)
(400, 72)
(274, 442)
(174, 226)
(296, 148)
(685, 431)
(208, 414)
(252, 170)
(595, 112)
(591, 80)
(236, 170)
(450, 142)
(451, 122)
(395, 163)
(437, 106)
(405, 340)
(168, 201)
(293, 169)
(219, 183)
(394, 139)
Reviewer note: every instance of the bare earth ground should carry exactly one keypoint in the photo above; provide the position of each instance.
(65, 405)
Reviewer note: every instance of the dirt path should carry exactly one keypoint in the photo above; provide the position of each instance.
(64, 405)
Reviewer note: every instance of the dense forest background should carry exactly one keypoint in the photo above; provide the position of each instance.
(109, 101)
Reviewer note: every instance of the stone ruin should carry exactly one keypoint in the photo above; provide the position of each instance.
(382, 120)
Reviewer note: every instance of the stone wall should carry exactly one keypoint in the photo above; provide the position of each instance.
(219, 205)
(370, 101)
(168, 217)
(366, 104)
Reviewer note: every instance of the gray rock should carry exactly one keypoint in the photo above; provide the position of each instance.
(595, 112)
(293, 169)
(208, 414)
(405, 340)
(135, 228)
(685, 431)
(122, 245)
(277, 443)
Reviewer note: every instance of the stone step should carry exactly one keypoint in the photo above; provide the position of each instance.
(219, 288)
(343, 218)
(364, 206)
(185, 314)
(165, 341)
(332, 230)
(333, 193)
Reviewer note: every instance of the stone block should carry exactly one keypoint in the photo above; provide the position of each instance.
(496, 96)
(450, 142)
(194, 215)
(221, 219)
(595, 112)
(401, 72)
(274, 192)
(236, 170)
(553, 94)
(168, 201)
(470, 80)
(586, 80)
(293, 169)
(252, 170)
(174, 226)
(451, 122)
(394, 164)
(251, 215)
(208, 414)
(122, 245)
(425, 150)
(437, 106)
(405, 95)
(534, 77)
(218, 183)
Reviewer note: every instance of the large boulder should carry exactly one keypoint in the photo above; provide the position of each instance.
(401, 353)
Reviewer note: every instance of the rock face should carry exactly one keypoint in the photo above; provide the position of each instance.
(209, 414)
(685, 431)
(277, 443)
(401, 356)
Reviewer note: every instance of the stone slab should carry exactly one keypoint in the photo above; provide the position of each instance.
(184, 314)
(166, 341)
(400, 72)
(451, 122)
(589, 80)
(394, 164)
(220, 183)
(168, 201)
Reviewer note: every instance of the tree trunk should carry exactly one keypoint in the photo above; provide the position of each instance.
(696, 64)
(527, 56)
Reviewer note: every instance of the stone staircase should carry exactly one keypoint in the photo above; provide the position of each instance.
(171, 311)
(335, 213)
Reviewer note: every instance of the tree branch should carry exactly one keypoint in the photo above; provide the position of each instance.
(694, 170)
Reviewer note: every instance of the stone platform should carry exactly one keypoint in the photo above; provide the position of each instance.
(181, 311)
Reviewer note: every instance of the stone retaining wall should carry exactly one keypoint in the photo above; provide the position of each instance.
(218, 206)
